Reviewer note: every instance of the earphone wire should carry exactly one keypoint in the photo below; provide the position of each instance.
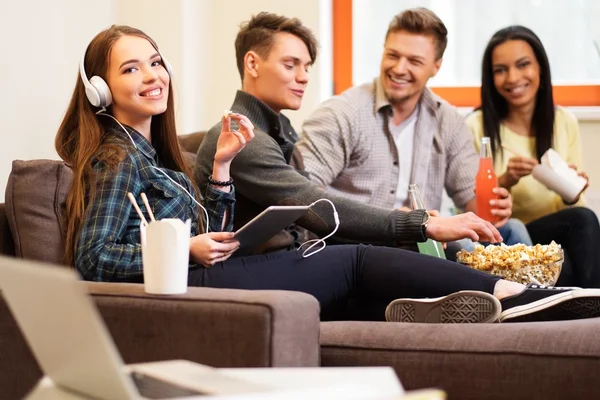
(188, 193)
(102, 112)
(315, 242)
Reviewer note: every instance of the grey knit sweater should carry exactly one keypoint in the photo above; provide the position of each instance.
(263, 177)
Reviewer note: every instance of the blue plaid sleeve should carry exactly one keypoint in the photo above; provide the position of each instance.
(99, 255)
(218, 204)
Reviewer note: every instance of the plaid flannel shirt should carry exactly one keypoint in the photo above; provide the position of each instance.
(348, 148)
(108, 246)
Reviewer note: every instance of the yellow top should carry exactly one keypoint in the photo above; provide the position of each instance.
(531, 199)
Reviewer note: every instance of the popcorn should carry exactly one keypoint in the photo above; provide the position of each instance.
(520, 263)
(227, 113)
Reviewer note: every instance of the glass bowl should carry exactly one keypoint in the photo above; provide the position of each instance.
(524, 271)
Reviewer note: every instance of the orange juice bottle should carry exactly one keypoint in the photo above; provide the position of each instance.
(485, 182)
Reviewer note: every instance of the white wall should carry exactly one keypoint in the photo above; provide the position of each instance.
(228, 14)
(590, 138)
(182, 30)
(198, 39)
(43, 41)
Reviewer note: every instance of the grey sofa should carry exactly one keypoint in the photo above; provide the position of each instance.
(220, 327)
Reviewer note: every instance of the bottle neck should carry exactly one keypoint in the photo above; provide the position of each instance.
(414, 195)
(485, 151)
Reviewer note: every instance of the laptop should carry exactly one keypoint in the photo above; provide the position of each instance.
(73, 347)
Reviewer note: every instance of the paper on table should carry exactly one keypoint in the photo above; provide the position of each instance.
(557, 176)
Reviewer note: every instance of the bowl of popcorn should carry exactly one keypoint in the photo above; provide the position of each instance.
(539, 264)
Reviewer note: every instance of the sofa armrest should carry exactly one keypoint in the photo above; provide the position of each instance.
(7, 245)
(19, 371)
(218, 327)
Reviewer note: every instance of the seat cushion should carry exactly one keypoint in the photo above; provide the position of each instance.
(36, 196)
(532, 360)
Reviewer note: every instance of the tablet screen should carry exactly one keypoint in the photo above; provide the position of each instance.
(267, 224)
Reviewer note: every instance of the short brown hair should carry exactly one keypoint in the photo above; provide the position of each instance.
(258, 35)
(424, 21)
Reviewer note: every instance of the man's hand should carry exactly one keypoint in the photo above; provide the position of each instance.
(468, 225)
(501, 207)
(436, 213)
(432, 213)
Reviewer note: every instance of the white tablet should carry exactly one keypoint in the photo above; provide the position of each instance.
(267, 224)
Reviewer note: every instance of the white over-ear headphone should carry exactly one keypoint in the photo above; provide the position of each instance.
(96, 89)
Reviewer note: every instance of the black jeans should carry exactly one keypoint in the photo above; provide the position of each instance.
(578, 232)
(340, 275)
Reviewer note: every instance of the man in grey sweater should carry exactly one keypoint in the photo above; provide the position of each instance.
(274, 55)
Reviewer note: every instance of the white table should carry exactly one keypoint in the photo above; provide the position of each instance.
(351, 382)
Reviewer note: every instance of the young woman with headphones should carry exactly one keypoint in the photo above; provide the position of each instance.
(119, 136)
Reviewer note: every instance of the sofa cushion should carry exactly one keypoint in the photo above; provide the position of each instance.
(191, 142)
(530, 360)
(36, 196)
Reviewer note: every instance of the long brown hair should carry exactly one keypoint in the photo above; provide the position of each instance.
(81, 137)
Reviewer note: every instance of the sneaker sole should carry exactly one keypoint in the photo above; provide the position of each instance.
(456, 308)
(576, 304)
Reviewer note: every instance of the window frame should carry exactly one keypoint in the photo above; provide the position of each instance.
(460, 96)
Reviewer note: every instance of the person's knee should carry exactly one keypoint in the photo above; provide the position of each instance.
(516, 232)
(583, 217)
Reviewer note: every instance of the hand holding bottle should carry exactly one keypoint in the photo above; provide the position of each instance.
(485, 183)
(430, 247)
(502, 207)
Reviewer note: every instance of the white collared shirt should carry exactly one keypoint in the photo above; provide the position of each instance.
(404, 138)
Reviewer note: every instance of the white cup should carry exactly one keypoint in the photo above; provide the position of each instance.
(567, 187)
(556, 175)
(165, 255)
